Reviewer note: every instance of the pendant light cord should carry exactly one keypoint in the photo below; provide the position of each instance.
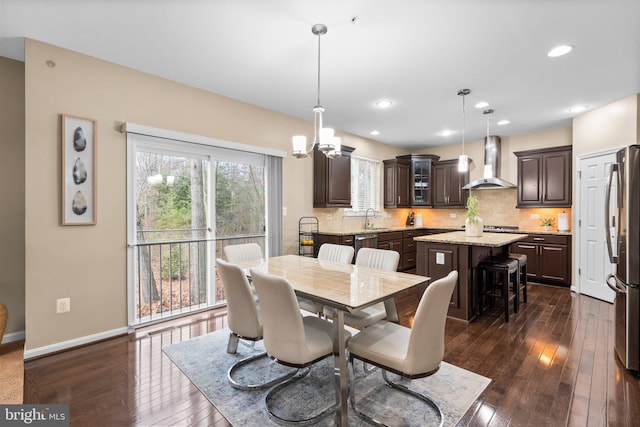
(463, 121)
(319, 36)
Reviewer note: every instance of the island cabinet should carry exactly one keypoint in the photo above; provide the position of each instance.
(332, 179)
(548, 258)
(544, 177)
(447, 185)
(439, 254)
(396, 183)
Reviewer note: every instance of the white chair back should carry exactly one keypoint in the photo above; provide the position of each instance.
(336, 253)
(242, 252)
(380, 259)
(284, 332)
(426, 343)
(243, 314)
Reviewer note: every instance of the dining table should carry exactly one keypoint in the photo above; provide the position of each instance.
(345, 288)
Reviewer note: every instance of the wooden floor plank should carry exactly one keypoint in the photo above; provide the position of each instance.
(553, 364)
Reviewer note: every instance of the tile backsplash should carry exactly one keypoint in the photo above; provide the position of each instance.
(496, 207)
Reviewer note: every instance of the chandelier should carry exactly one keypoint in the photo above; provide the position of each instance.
(329, 144)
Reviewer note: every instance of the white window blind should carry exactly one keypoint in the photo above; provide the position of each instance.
(365, 185)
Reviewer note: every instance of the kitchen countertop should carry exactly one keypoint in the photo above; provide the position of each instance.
(488, 239)
(433, 227)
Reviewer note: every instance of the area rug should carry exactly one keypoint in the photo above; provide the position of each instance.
(11, 372)
(205, 362)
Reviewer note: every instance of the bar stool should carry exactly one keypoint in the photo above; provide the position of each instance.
(522, 264)
(508, 269)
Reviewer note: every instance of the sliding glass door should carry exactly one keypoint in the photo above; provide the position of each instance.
(186, 202)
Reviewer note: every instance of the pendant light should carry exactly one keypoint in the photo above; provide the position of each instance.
(323, 137)
(463, 159)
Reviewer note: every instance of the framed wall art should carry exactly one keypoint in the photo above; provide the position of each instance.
(79, 170)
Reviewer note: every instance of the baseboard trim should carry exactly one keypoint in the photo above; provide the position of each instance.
(76, 342)
(13, 336)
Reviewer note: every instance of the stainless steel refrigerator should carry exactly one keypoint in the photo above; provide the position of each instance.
(622, 219)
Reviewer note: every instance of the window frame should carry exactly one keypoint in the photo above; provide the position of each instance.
(372, 187)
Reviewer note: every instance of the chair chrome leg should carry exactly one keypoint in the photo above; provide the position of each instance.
(352, 398)
(232, 345)
(415, 394)
(304, 422)
(261, 386)
(399, 387)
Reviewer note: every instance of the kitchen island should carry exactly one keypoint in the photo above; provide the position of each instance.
(438, 254)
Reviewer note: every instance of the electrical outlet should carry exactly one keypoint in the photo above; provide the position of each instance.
(284, 211)
(63, 305)
(329, 217)
(453, 215)
(534, 216)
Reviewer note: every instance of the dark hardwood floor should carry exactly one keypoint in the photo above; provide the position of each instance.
(553, 364)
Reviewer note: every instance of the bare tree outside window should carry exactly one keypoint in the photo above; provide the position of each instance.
(173, 240)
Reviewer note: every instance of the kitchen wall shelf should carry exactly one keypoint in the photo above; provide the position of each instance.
(307, 232)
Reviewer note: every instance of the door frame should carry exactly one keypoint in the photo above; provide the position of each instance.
(577, 236)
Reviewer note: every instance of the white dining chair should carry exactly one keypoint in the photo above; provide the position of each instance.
(242, 252)
(380, 259)
(342, 254)
(244, 320)
(409, 352)
(290, 338)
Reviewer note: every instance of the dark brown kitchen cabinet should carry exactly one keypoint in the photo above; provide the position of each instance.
(544, 177)
(396, 183)
(409, 248)
(436, 260)
(332, 179)
(548, 258)
(392, 241)
(447, 185)
(420, 178)
(320, 239)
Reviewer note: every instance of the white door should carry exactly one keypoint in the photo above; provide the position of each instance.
(593, 262)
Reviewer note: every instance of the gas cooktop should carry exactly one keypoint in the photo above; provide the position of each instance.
(500, 227)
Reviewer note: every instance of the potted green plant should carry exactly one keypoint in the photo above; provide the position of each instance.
(547, 223)
(473, 224)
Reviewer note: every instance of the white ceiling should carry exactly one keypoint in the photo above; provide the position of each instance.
(417, 53)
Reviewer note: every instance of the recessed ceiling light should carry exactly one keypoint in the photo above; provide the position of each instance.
(503, 122)
(383, 103)
(375, 132)
(482, 104)
(577, 108)
(560, 50)
(446, 132)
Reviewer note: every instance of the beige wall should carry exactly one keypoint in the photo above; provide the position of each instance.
(12, 192)
(88, 263)
(614, 125)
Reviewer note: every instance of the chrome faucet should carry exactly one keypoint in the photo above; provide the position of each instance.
(367, 223)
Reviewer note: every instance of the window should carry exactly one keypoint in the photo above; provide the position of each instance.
(365, 185)
(187, 200)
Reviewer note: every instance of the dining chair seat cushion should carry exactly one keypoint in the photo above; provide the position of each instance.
(385, 343)
(363, 318)
(308, 305)
(289, 337)
(413, 351)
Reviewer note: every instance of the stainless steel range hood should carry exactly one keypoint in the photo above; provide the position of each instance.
(492, 166)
